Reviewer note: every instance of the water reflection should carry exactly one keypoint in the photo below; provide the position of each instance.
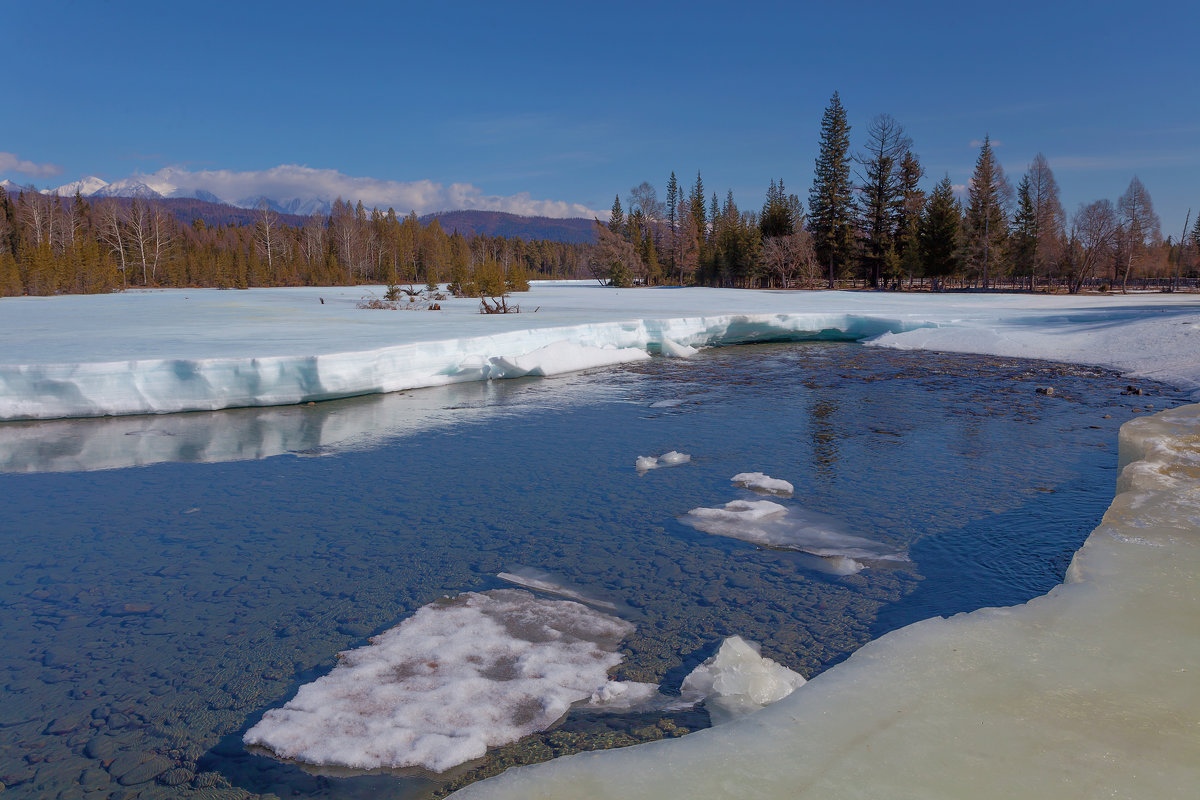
(315, 429)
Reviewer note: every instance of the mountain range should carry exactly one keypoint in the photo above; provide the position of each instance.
(200, 203)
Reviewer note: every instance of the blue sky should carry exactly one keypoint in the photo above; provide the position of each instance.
(575, 103)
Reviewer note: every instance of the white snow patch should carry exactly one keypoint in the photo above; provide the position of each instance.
(763, 483)
(737, 680)
(770, 524)
(459, 676)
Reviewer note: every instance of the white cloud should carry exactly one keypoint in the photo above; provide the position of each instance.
(290, 181)
(10, 162)
(992, 142)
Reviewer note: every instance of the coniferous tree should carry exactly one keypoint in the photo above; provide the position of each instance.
(986, 224)
(672, 247)
(939, 233)
(831, 200)
(777, 213)
(616, 218)
(908, 218)
(1024, 234)
(882, 195)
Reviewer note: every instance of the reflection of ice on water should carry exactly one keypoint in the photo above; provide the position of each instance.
(311, 430)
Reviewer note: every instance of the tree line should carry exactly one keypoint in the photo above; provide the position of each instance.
(870, 223)
(55, 245)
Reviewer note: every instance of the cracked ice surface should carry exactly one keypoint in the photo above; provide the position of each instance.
(161, 351)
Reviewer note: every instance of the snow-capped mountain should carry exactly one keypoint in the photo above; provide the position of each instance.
(86, 186)
(303, 191)
(129, 187)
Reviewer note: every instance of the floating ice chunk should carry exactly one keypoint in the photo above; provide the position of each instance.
(627, 696)
(770, 524)
(763, 483)
(559, 357)
(671, 458)
(737, 680)
(459, 676)
(551, 584)
(673, 349)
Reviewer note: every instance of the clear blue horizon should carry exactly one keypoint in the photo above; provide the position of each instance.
(573, 105)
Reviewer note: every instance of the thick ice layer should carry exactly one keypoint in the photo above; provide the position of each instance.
(199, 350)
(457, 677)
(759, 482)
(737, 680)
(1086, 692)
(671, 458)
(769, 524)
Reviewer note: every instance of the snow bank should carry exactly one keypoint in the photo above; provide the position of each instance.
(770, 524)
(457, 677)
(1087, 691)
(759, 482)
(737, 680)
(671, 458)
(197, 350)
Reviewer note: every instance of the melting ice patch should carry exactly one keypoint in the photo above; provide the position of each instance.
(759, 482)
(550, 584)
(671, 458)
(459, 676)
(673, 349)
(770, 524)
(737, 680)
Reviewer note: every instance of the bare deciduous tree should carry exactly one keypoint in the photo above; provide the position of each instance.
(1139, 225)
(1094, 230)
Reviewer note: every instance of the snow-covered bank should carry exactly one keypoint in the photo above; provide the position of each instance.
(183, 350)
(1088, 691)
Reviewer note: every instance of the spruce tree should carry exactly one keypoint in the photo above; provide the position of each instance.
(882, 195)
(1025, 233)
(1196, 232)
(831, 199)
(616, 220)
(908, 215)
(776, 218)
(939, 233)
(987, 228)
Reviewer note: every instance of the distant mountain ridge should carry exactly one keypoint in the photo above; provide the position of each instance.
(202, 204)
(513, 226)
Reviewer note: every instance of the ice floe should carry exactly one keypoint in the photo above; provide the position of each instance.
(769, 524)
(738, 680)
(671, 458)
(457, 677)
(759, 482)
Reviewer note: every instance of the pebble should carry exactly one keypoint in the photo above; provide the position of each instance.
(175, 777)
(102, 748)
(146, 771)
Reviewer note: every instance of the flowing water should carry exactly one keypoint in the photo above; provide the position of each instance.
(153, 613)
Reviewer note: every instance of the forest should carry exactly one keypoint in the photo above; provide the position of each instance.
(868, 223)
(53, 245)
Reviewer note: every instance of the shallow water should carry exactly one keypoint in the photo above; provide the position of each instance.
(154, 613)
